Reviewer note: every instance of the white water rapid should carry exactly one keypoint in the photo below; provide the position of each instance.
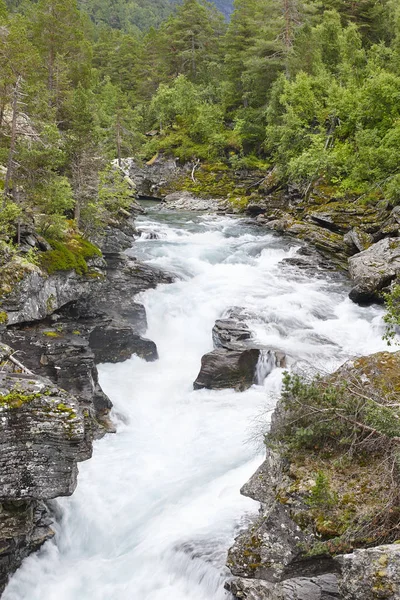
(158, 505)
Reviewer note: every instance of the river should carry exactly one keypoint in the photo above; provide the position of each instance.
(158, 505)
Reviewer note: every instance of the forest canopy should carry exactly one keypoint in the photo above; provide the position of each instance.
(310, 88)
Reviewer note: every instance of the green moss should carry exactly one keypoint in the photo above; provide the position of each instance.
(51, 334)
(3, 317)
(63, 408)
(16, 399)
(69, 256)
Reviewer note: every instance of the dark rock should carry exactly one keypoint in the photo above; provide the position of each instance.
(224, 368)
(116, 342)
(253, 210)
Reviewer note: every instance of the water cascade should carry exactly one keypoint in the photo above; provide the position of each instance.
(158, 505)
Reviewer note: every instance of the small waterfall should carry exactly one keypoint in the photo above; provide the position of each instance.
(266, 363)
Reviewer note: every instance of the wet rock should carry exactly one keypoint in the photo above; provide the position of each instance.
(224, 368)
(187, 201)
(371, 573)
(125, 277)
(230, 333)
(373, 269)
(116, 342)
(253, 210)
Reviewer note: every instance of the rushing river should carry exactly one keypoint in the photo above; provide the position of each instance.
(158, 505)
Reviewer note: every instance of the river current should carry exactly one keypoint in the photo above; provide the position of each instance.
(158, 505)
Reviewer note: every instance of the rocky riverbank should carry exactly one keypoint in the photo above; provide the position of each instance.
(328, 491)
(357, 235)
(57, 324)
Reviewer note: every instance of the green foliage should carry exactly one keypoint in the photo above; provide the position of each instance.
(321, 495)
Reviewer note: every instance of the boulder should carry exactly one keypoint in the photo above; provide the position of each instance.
(371, 573)
(358, 239)
(224, 368)
(373, 269)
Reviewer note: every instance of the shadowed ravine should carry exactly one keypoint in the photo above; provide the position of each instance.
(158, 505)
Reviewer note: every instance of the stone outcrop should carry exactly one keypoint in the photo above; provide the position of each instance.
(324, 587)
(103, 325)
(238, 361)
(44, 433)
(223, 368)
(150, 178)
(374, 269)
(37, 295)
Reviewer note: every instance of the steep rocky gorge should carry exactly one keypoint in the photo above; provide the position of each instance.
(62, 325)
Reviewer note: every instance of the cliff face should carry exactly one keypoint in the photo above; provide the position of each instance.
(44, 433)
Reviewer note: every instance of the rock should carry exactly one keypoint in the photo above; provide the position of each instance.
(41, 425)
(64, 356)
(151, 178)
(187, 201)
(272, 549)
(116, 342)
(224, 368)
(44, 434)
(230, 333)
(358, 239)
(125, 277)
(254, 210)
(324, 587)
(371, 573)
(324, 220)
(24, 528)
(373, 269)
(36, 295)
(251, 589)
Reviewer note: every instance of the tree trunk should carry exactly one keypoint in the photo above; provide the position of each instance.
(10, 162)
